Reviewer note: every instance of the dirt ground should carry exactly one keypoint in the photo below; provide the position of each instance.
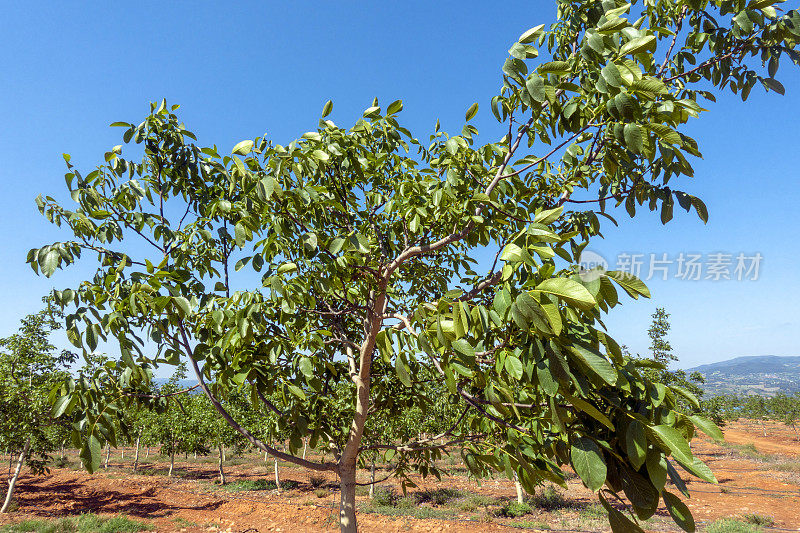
(757, 474)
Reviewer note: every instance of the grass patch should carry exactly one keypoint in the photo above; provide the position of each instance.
(85, 523)
(182, 522)
(732, 525)
(513, 509)
(758, 520)
(242, 485)
(529, 524)
(550, 499)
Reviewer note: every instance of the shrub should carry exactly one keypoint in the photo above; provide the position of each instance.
(757, 519)
(321, 493)
(549, 499)
(384, 496)
(316, 481)
(85, 523)
(730, 525)
(513, 510)
(437, 496)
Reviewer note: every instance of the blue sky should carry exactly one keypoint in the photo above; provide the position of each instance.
(239, 70)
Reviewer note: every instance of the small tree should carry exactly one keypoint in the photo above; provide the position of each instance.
(30, 366)
(661, 356)
(365, 239)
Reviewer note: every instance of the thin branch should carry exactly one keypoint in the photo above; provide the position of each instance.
(235, 425)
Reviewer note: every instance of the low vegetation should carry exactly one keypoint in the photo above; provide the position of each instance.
(85, 523)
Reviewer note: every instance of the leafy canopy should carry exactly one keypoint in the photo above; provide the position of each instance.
(364, 239)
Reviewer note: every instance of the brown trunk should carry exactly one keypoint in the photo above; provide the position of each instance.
(372, 480)
(221, 466)
(12, 483)
(136, 457)
(520, 494)
(171, 460)
(347, 504)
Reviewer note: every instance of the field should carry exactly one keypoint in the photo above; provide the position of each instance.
(759, 490)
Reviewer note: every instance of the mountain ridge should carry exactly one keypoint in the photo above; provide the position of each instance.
(751, 374)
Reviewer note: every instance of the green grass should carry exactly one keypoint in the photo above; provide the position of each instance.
(758, 520)
(732, 525)
(529, 524)
(513, 509)
(85, 523)
(259, 484)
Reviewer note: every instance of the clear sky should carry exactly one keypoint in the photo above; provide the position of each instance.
(245, 68)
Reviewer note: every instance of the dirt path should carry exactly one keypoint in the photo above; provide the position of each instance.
(194, 505)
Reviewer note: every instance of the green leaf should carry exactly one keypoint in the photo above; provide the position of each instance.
(636, 444)
(679, 512)
(297, 391)
(91, 337)
(531, 35)
(394, 107)
(286, 268)
(535, 87)
(60, 406)
(568, 290)
(240, 234)
(656, 468)
(306, 367)
(462, 346)
(707, 426)
(596, 363)
(327, 108)
(613, 25)
(587, 460)
(590, 410)
(49, 263)
(701, 209)
(514, 254)
(639, 44)
(473, 109)
(183, 305)
(90, 454)
(634, 138)
(513, 366)
(670, 438)
(243, 148)
(554, 67)
(309, 241)
(401, 368)
(611, 74)
(630, 283)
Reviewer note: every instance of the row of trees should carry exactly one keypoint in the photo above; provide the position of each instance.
(364, 243)
(781, 407)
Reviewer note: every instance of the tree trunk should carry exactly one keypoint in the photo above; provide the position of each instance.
(221, 466)
(520, 494)
(171, 460)
(305, 446)
(347, 504)
(147, 453)
(764, 427)
(372, 480)
(12, 483)
(123, 453)
(136, 457)
(277, 476)
(108, 453)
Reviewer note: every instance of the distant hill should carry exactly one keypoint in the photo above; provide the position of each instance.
(758, 374)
